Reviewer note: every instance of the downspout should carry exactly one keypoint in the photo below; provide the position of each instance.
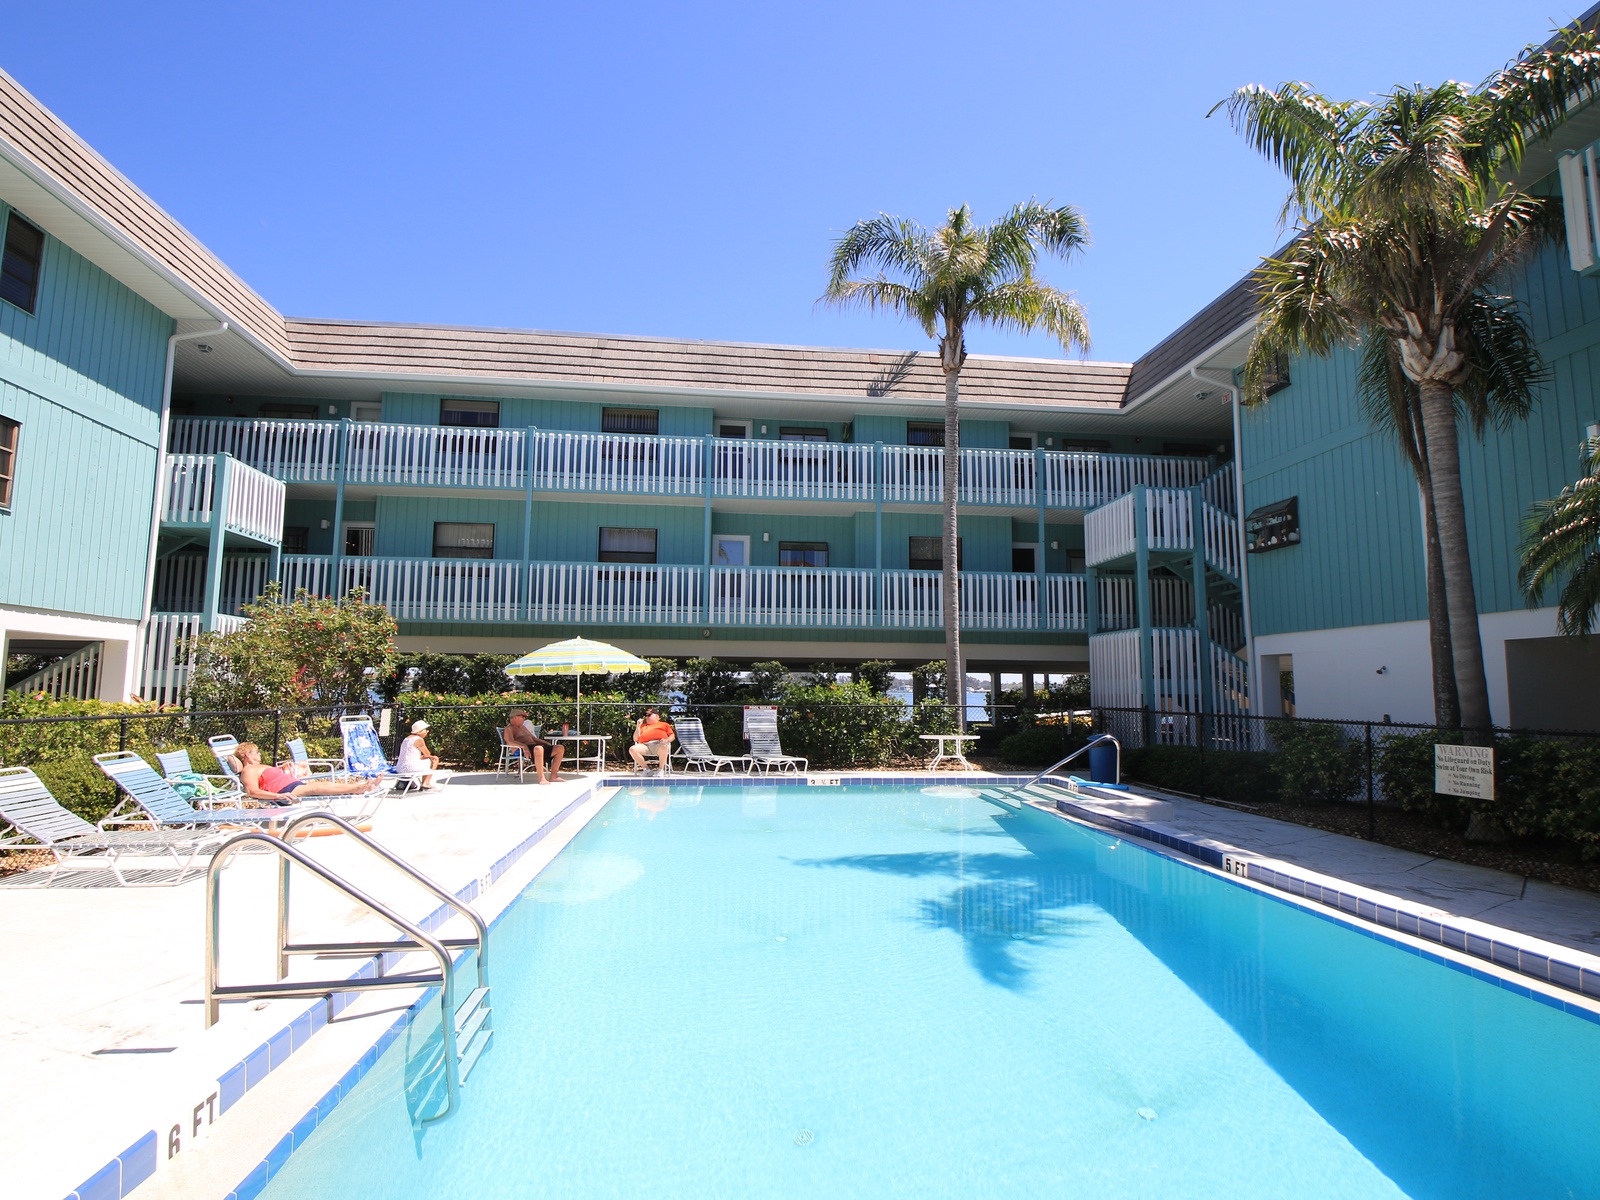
(159, 502)
(1224, 379)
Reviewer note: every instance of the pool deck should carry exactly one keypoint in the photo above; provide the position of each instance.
(102, 1038)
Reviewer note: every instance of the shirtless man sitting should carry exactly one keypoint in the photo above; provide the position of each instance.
(520, 733)
(277, 786)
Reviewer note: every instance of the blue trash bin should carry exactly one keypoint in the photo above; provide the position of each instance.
(1103, 763)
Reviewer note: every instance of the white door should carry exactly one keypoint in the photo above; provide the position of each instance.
(730, 550)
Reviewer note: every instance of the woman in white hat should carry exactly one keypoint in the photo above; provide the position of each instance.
(415, 757)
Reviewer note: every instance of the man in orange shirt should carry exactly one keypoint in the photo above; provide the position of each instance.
(650, 732)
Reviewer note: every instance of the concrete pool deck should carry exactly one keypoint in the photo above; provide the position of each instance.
(102, 1036)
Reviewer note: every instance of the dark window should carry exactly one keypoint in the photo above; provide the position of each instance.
(294, 412)
(295, 539)
(924, 433)
(10, 435)
(1022, 560)
(479, 414)
(630, 420)
(1076, 562)
(801, 433)
(1276, 377)
(1080, 446)
(802, 554)
(19, 271)
(619, 545)
(1020, 442)
(359, 541)
(453, 540)
(1186, 450)
(927, 554)
(733, 431)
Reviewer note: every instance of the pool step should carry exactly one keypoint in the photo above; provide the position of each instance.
(473, 1030)
(1014, 797)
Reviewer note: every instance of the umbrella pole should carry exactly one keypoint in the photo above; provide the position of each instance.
(579, 677)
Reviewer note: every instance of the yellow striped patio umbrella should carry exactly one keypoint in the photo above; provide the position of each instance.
(579, 657)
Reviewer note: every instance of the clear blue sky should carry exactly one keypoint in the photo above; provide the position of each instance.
(681, 169)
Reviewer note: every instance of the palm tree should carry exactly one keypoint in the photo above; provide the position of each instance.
(948, 278)
(1562, 534)
(1409, 225)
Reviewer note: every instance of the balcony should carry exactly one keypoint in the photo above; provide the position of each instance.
(1163, 520)
(612, 463)
(252, 501)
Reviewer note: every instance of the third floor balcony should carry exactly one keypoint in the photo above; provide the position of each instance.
(554, 461)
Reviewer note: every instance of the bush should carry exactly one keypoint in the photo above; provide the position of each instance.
(462, 728)
(841, 725)
(1238, 776)
(80, 787)
(1317, 763)
(1041, 745)
(1404, 766)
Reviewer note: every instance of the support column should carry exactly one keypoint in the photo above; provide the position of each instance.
(1141, 591)
(705, 570)
(340, 472)
(220, 480)
(1202, 620)
(1091, 600)
(877, 529)
(1042, 604)
(527, 529)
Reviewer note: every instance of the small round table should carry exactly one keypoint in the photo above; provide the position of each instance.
(598, 758)
(954, 755)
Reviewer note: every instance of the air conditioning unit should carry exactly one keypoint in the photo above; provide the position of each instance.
(1579, 176)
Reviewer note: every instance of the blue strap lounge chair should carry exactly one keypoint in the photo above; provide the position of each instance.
(206, 791)
(696, 752)
(312, 768)
(766, 753)
(31, 819)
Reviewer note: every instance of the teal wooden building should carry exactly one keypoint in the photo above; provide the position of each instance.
(169, 444)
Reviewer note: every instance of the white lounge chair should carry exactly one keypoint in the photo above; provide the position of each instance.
(177, 770)
(694, 751)
(32, 819)
(148, 797)
(766, 753)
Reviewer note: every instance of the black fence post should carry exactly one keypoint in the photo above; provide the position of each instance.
(122, 734)
(277, 733)
(1200, 747)
(1372, 814)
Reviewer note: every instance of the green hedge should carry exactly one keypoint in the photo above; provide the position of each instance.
(1042, 745)
(1239, 776)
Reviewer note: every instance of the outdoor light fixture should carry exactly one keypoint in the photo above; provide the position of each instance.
(1055, 545)
(324, 524)
(763, 429)
(1049, 441)
(765, 536)
(333, 410)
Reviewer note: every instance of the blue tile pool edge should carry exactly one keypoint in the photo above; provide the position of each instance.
(1362, 912)
(139, 1161)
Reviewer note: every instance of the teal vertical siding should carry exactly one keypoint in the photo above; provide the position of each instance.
(838, 532)
(83, 374)
(1360, 560)
(891, 431)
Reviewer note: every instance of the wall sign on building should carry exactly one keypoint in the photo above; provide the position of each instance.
(1273, 526)
(1464, 771)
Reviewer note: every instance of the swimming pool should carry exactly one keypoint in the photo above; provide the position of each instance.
(793, 991)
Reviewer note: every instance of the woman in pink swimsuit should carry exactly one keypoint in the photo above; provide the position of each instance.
(277, 786)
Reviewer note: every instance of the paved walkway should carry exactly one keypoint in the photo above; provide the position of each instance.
(1566, 916)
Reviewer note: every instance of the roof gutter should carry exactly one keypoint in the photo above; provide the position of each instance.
(158, 504)
(1224, 379)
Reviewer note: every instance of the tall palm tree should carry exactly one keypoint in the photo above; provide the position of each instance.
(1409, 224)
(1564, 534)
(945, 279)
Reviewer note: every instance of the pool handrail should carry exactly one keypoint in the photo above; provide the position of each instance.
(1083, 749)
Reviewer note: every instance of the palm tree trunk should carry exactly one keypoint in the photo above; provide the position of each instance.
(955, 676)
(1446, 704)
(1450, 512)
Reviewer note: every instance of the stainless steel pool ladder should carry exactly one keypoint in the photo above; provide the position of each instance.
(1013, 795)
(465, 1029)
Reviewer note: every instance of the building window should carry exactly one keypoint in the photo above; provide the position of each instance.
(476, 414)
(1185, 450)
(1020, 441)
(291, 412)
(453, 540)
(927, 554)
(1081, 446)
(924, 433)
(360, 538)
(19, 270)
(1077, 564)
(619, 545)
(296, 538)
(802, 554)
(10, 435)
(630, 420)
(801, 433)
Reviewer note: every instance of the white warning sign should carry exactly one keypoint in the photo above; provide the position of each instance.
(1464, 771)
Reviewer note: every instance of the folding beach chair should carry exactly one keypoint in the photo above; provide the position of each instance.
(364, 756)
(695, 752)
(31, 819)
(766, 753)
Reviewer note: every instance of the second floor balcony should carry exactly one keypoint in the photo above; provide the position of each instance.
(558, 461)
(206, 490)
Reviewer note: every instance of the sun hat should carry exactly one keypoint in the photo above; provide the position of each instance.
(419, 726)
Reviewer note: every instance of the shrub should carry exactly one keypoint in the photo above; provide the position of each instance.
(877, 674)
(709, 681)
(1317, 763)
(1238, 776)
(1041, 745)
(842, 725)
(462, 728)
(1404, 766)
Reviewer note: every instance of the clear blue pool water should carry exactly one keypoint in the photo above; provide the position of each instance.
(832, 992)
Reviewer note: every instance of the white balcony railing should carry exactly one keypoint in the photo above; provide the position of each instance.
(254, 502)
(789, 596)
(449, 456)
(1110, 532)
(616, 593)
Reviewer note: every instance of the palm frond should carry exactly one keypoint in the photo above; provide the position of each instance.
(883, 242)
(1507, 368)
(1389, 399)
(1563, 534)
(1302, 132)
(1028, 306)
(1533, 95)
(885, 295)
(1015, 240)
